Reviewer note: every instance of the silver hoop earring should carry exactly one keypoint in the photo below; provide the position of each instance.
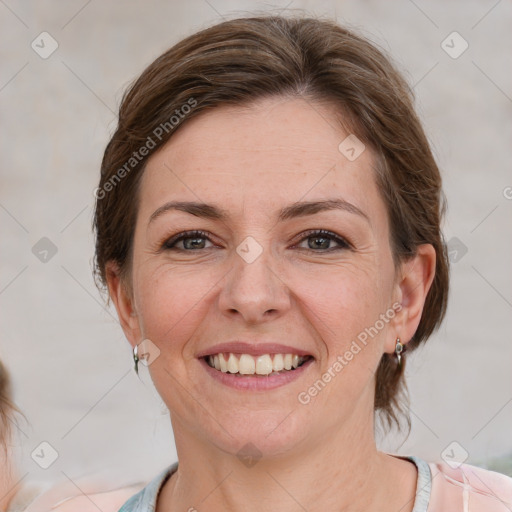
(136, 358)
(399, 348)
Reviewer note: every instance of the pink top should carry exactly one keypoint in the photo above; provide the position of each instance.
(468, 489)
(439, 488)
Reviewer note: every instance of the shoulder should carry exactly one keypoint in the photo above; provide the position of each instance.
(146, 498)
(110, 501)
(61, 498)
(468, 487)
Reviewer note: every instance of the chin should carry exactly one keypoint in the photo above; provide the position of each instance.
(259, 434)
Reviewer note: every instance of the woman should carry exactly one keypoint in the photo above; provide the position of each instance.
(15, 493)
(17, 496)
(268, 228)
(7, 473)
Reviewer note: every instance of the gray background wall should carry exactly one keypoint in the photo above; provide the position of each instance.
(70, 363)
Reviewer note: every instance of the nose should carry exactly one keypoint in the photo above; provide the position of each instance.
(254, 289)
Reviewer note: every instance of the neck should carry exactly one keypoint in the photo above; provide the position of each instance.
(342, 470)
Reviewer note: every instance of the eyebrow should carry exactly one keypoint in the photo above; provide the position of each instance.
(298, 209)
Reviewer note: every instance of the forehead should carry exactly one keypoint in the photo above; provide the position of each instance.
(274, 152)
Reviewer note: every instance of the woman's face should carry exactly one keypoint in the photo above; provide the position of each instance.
(261, 276)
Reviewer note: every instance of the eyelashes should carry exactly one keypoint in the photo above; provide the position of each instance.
(196, 236)
(186, 235)
(323, 234)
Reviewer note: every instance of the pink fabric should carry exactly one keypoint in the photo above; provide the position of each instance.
(63, 498)
(463, 489)
(468, 489)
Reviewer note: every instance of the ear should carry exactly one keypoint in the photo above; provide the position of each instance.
(411, 289)
(123, 301)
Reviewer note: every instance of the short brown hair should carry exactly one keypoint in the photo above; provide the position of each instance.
(239, 61)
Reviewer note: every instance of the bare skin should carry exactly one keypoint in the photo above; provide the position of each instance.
(252, 162)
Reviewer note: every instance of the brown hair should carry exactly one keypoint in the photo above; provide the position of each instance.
(239, 61)
(6, 406)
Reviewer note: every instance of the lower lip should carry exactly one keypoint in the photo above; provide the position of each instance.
(256, 382)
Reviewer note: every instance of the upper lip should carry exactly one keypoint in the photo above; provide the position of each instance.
(253, 349)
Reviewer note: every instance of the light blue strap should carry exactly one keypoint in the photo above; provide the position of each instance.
(424, 485)
(145, 499)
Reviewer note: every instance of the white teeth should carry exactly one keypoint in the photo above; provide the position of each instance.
(232, 364)
(263, 365)
(223, 364)
(246, 364)
(278, 364)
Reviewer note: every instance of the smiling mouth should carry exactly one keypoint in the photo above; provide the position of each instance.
(263, 365)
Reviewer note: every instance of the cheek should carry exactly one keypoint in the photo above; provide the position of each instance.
(169, 302)
(343, 301)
